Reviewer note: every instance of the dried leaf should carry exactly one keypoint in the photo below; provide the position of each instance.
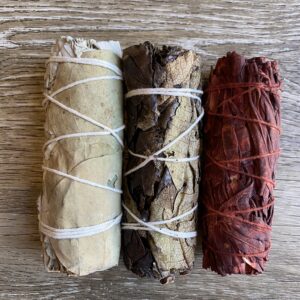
(161, 190)
(69, 204)
(242, 130)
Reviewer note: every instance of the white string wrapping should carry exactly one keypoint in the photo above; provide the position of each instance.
(181, 92)
(86, 61)
(168, 159)
(82, 81)
(73, 233)
(171, 92)
(84, 181)
(86, 118)
(152, 226)
(80, 134)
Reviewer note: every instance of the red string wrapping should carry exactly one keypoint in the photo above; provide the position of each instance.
(241, 143)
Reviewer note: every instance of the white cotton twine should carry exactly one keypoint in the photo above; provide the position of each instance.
(73, 233)
(184, 92)
(150, 226)
(86, 61)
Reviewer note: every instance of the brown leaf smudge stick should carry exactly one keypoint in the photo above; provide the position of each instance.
(161, 190)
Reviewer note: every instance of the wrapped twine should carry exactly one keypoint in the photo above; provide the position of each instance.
(241, 142)
(161, 183)
(80, 205)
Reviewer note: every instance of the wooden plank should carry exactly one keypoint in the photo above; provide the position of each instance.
(28, 29)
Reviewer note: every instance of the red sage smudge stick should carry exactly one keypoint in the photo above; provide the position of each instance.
(241, 142)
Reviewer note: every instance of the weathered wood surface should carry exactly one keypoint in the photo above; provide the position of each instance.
(27, 31)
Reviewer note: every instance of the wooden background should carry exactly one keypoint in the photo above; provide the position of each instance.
(27, 31)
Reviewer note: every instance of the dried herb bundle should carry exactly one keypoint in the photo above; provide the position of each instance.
(241, 142)
(161, 190)
(78, 81)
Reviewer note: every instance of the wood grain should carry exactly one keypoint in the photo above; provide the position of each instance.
(27, 31)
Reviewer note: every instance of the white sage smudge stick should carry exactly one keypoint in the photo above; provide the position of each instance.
(80, 206)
